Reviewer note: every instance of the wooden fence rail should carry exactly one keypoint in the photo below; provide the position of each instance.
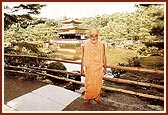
(131, 69)
(118, 80)
(103, 87)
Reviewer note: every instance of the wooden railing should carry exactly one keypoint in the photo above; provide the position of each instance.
(38, 72)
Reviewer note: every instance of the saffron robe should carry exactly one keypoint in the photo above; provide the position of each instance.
(93, 56)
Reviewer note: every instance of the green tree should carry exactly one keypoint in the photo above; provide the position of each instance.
(10, 17)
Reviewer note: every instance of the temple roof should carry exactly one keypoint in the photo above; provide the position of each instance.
(72, 21)
(71, 27)
(64, 33)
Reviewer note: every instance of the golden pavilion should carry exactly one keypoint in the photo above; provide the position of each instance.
(71, 29)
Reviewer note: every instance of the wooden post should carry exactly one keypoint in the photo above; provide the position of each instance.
(37, 62)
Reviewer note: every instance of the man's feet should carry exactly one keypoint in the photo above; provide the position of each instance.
(99, 102)
(86, 102)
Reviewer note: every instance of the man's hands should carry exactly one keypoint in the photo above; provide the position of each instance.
(83, 71)
(104, 70)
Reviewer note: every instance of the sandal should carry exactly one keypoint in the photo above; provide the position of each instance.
(86, 102)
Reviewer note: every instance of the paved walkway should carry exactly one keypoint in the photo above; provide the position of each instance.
(46, 98)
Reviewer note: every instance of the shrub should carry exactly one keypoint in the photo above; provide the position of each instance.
(57, 66)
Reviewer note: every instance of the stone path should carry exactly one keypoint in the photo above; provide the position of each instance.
(46, 98)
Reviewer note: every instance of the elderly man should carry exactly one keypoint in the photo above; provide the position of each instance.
(93, 66)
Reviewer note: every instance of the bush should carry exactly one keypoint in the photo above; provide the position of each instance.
(42, 54)
(159, 45)
(14, 61)
(57, 66)
(28, 46)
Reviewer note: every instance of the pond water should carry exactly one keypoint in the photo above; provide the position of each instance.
(74, 52)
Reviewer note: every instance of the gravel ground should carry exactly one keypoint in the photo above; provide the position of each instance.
(112, 101)
(15, 87)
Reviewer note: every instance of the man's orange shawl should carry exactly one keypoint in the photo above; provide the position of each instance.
(93, 56)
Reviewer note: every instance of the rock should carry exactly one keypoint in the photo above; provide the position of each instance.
(48, 81)
(70, 86)
(103, 94)
(22, 78)
(156, 107)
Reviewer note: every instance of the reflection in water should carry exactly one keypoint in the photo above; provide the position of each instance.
(66, 51)
(74, 52)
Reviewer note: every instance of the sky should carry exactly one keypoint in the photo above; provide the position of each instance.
(55, 10)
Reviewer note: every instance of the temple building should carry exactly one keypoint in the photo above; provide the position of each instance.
(71, 30)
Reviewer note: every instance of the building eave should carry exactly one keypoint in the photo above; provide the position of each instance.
(68, 33)
(72, 21)
(69, 28)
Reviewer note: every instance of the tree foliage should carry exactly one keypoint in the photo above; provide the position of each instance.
(32, 8)
(146, 24)
(10, 19)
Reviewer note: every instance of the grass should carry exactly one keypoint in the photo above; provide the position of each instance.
(152, 62)
(116, 56)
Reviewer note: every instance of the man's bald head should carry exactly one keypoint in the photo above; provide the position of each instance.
(94, 31)
(94, 35)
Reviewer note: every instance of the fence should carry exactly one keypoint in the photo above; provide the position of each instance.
(38, 71)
